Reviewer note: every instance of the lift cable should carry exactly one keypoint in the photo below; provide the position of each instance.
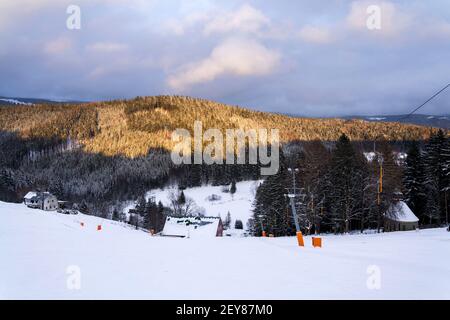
(431, 98)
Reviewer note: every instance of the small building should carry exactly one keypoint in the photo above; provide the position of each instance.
(41, 200)
(65, 205)
(202, 227)
(400, 217)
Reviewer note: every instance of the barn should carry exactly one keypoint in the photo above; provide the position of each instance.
(400, 217)
(196, 227)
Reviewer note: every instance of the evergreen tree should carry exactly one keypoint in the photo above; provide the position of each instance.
(160, 207)
(238, 225)
(446, 175)
(435, 168)
(227, 222)
(7, 186)
(182, 198)
(161, 218)
(392, 177)
(271, 205)
(141, 206)
(347, 179)
(147, 214)
(414, 181)
(233, 188)
(115, 215)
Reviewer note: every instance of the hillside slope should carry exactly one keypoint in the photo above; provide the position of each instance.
(132, 127)
(42, 251)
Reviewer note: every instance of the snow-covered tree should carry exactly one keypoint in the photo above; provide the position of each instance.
(233, 188)
(227, 221)
(346, 184)
(414, 181)
(271, 206)
(436, 179)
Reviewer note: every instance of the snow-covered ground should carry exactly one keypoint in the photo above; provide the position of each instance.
(40, 252)
(239, 205)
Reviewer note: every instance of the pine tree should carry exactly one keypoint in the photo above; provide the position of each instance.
(392, 177)
(446, 175)
(238, 225)
(271, 205)
(414, 181)
(7, 187)
(227, 222)
(435, 182)
(233, 188)
(347, 182)
(115, 215)
(141, 206)
(147, 214)
(160, 221)
(182, 198)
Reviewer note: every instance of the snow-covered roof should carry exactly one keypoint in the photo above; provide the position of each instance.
(30, 195)
(400, 212)
(370, 156)
(191, 226)
(33, 194)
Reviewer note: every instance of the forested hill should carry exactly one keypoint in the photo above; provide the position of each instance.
(132, 127)
(101, 154)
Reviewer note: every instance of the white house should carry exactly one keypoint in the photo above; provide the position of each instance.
(399, 217)
(41, 200)
(192, 227)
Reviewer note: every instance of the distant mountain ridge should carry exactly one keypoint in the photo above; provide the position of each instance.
(437, 121)
(14, 101)
(426, 120)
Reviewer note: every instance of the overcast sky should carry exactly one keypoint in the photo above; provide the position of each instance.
(313, 58)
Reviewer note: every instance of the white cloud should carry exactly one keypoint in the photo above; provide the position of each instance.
(315, 35)
(245, 19)
(241, 57)
(180, 26)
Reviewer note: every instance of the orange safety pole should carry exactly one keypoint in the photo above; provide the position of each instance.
(301, 243)
(317, 242)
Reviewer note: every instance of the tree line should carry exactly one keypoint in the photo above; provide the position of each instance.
(339, 189)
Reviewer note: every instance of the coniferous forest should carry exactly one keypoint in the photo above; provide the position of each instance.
(339, 187)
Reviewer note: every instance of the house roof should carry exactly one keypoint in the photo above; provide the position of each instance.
(401, 212)
(30, 195)
(191, 226)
